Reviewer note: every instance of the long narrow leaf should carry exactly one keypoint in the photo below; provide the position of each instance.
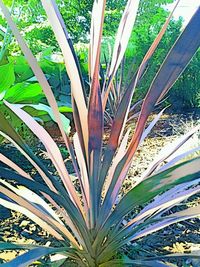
(173, 66)
(123, 34)
(27, 207)
(52, 149)
(14, 166)
(184, 172)
(169, 150)
(39, 75)
(29, 257)
(160, 204)
(31, 215)
(34, 199)
(95, 111)
(171, 69)
(7, 131)
(96, 33)
(189, 213)
(176, 159)
(72, 68)
(65, 202)
(122, 112)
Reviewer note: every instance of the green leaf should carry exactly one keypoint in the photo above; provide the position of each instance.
(29, 257)
(12, 246)
(65, 109)
(42, 79)
(21, 68)
(48, 110)
(8, 2)
(128, 262)
(156, 184)
(63, 199)
(7, 76)
(58, 263)
(24, 93)
(8, 132)
(51, 63)
(2, 94)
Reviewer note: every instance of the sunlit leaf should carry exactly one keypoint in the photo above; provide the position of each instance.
(7, 76)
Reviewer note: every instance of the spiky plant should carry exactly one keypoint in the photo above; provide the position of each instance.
(93, 221)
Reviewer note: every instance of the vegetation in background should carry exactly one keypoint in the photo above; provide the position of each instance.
(18, 85)
(31, 19)
(186, 92)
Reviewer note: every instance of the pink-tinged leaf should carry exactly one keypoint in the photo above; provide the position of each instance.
(71, 64)
(78, 126)
(127, 99)
(95, 128)
(120, 153)
(123, 111)
(51, 147)
(172, 161)
(32, 198)
(134, 106)
(28, 213)
(114, 140)
(132, 112)
(166, 201)
(66, 218)
(121, 42)
(134, 116)
(62, 199)
(145, 60)
(96, 34)
(154, 210)
(95, 110)
(151, 187)
(189, 213)
(14, 166)
(39, 75)
(151, 125)
(7, 131)
(123, 34)
(174, 64)
(34, 212)
(149, 215)
(167, 151)
(83, 168)
(84, 180)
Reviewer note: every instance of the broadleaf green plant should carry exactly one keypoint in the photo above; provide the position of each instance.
(93, 221)
(16, 88)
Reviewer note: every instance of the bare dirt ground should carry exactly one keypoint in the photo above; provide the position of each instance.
(183, 237)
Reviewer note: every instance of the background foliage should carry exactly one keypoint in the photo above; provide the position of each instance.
(31, 19)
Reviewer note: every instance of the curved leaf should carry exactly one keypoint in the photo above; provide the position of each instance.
(24, 93)
(7, 76)
(40, 77)
(29, 257)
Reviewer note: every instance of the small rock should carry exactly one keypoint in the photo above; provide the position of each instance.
(24, 223)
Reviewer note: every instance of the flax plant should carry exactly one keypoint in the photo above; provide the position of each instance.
(93, 221)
